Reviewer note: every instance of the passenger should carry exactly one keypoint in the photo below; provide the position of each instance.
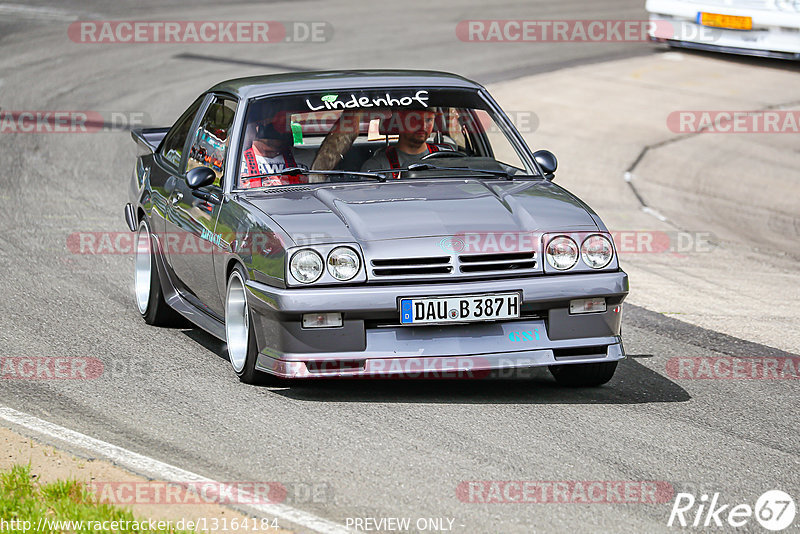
(270, 152)
(413, 127)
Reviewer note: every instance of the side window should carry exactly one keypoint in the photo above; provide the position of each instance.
(175, 140)
(210, 142)
(502, 148)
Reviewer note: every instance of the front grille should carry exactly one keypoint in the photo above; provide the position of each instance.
(475, 263)
(412, 266)
(466, 264)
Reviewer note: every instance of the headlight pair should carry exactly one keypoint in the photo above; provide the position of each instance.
(562, 252)
(306, 265)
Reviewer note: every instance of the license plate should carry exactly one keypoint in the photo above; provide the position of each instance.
(730, 22)
(466, 308)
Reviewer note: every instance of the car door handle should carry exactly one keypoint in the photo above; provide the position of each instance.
(177, 198)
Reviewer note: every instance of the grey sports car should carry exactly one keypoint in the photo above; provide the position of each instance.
(371, 224)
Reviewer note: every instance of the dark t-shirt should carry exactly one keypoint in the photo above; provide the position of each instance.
(379, 160)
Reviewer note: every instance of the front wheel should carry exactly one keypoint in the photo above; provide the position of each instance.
(239, 335)
(583, 374)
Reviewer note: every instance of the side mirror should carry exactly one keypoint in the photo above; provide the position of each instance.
(200, 177)
(548, 162)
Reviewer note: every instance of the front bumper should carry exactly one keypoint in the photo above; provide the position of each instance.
(371, 343)
(774, 34)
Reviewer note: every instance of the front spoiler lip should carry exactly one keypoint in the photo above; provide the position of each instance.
(741, 51)
(474, 366)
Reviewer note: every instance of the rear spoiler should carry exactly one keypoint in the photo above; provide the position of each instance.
(149, 138)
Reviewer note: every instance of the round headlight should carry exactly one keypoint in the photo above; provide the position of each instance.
(306, 266)
(343, 263)
(597, 251)
(562, 253)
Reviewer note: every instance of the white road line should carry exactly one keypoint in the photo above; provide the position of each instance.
(35, 12)
(654, 213)
(160, 470)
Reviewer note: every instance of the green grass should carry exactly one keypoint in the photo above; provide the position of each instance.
(23, 499)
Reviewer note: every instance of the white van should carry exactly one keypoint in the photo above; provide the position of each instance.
(767, 28)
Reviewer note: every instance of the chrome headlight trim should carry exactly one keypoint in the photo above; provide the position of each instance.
(564, 241)
(585, 254)
(316, 264)
(335, 266)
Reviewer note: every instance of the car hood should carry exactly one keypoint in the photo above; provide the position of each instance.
(398, 210)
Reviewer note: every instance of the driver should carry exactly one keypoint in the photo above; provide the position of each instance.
(414, 128)
(270, 152)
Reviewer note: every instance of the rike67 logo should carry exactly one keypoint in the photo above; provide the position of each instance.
(774, 510)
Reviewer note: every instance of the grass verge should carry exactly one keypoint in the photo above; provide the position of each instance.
(62, 506)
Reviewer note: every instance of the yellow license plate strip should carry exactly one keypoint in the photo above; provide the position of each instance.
(730, 22)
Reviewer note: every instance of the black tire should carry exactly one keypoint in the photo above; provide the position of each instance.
(243, 362)
(152, 307)
(583, 374)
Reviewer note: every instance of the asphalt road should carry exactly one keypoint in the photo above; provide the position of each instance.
(379, 449)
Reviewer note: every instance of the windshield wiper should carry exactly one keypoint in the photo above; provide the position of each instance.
(295, 171)
(428, 167)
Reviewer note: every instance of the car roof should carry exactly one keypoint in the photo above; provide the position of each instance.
(255, 86)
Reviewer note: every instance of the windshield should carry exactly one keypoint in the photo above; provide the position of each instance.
(376, 130)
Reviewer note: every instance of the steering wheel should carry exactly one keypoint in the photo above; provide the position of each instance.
(444, 154)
